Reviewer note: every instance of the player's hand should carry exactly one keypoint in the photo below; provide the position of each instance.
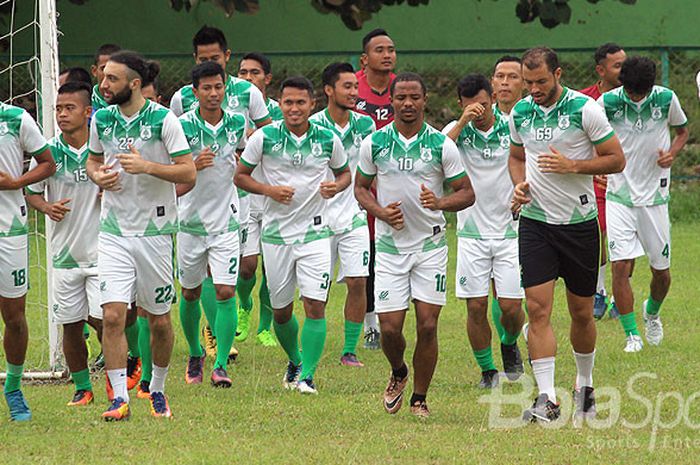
(132, 162)
(393, 216)
(107, 179)
(601, 181)
(665, 159)
(57, 210)
(329, 189)
(205, 159)
(555, 162)
(521, 196)
(7, 182)
(428, 199)
(472, 112)
(281, 194)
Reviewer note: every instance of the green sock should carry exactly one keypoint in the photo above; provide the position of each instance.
(496, 313)
(81, 379)
(145, 346)
(265, 307)
(86, 330)
(653, 306)
(484, 358)
(313, 338)
(132, 339)
(288, 335)
(189, 318)
(244, 290)
(14, 377)
(352, 335)
(629, 324)
(208, 299)
(226, 322)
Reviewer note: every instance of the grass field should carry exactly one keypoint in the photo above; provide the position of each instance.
(257, 422)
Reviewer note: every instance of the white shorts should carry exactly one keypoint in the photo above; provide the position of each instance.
(352, 249)
(243, 210)
(632, 231)
(14, 257)
(252, 240)
(478, 260)
(304, 265)
(220, 252)
(136, 265)
(398, 279)
(76, 293)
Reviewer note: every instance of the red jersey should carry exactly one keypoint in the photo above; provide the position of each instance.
(369, 102)
(593, 91)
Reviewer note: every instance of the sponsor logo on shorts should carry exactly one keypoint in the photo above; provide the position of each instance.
(103, 285)
(462, 280)
(584, 199)
(23, 210)
(436, 229)
(160, 210)
(55, 308)
(384, 296)
(664, 182)
(611, 244)
(317, 220)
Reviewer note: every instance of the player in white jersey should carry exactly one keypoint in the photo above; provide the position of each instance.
(71, 201)
(294, 157)
(560, 138)
(486, 231)
(19, 135)
(410, 161)
(209, 222)
(256, 69)
(637, 199)
(348, 222)
(138, 152)
(507, 83)
(97, 69)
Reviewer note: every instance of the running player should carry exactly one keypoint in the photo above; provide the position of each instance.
(410, 161)
(487, 237)
(637, 199)
(507, 82)
(138, 151)
(72, 203)
(257, 69)
(294, 157)
(208, 236)
(608, 61)
(97, 69)
(559, 140)
(348, 223)
(19, 135)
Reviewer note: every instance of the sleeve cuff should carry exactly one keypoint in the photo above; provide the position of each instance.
(95, 154)
(515, 143)
(31, 192)
(180, 153)
(249, 165)
(339, 170)
(37, 152)
(260, 120)
(676, 126)
(456, 177)
(603, 139)
(369, 176)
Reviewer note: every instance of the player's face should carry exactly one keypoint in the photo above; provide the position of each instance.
(485, 100)
(116, 87)
(253, 72)
(609, 68)
(149, 92)
(72, 111)
(542, 83)
(210, 92)
(408, 101)
(296, 106)
(380, 54)
(212, 52)
(344, 92)
(98, 69)
(507, 82)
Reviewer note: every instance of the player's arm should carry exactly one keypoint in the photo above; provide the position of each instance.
(258, 109)
(462, 195)
(666, 158)
(44, 168)
(251, 157)
(54, 210)
(181, 171)
(468, 114)
(339, 165)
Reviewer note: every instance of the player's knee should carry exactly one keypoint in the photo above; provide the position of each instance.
(356, 286)
(662, 277)
(510, 309)
(538, 313)
(224, 292)
(191, 294)
(248, 268)
(621, 269)
(476, 310)
(160, 327)
(390, 331)
(427, 328)
(15, 322)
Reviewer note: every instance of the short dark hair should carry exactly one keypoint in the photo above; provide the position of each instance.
(408, 77)
(156, 85)
(260, 58)
(602, 52)
(146, 69)
(207, 69)
(209, 35)
(472, 84)
(537, 56)
(638, 75)
(507, 59)
(332, 73)
(75, 87)
(371, 35)
(77, 74)
(106, 49)
(298, 82)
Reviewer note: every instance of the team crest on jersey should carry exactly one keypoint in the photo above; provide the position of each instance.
(426, 154)
(357, 139)
(656, 113)
(231, 137)
(232, 101)
(316, 149)
(505, 141)
(564, 122)
(4, 129)
(146, 132)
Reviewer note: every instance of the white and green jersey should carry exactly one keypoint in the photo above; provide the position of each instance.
(401, 165)
(273, 109)
(19, 134)
(643, 129)
(485, 158)
(74, 239)
(145, 205)
(302, 163)
(240, 97)
(343, 210)
(212, 206)
(98, 102)
(573, 125)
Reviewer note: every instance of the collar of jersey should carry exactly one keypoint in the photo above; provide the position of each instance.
(635, 105)
(333, 124)
(139, 115)
(206, 126)
(76, 154)
(416, 139)
(540, 110)
(293, 138)
(495, 129)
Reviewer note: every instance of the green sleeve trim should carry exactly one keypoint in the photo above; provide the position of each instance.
(338, 170)
(180, 153)
(95, 153)
(515, 143)
(680, 125)
(31, 192)
(249, 165)
(368, 176)
(45, 147)
(260, 120)
(456, 177)
(600, 141)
